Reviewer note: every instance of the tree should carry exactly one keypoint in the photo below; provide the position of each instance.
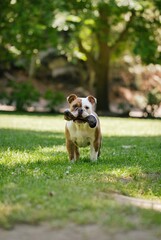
(97, 29)
(25, 28)
(93, 30)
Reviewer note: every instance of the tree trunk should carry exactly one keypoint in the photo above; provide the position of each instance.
(32, 66)
(102, 89)
(102, 81)
(91, 77)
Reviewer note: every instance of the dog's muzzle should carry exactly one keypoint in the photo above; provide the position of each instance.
(80, 111)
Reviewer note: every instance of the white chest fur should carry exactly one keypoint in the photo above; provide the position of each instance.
(81, 134)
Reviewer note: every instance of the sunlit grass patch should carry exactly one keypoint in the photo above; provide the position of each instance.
(38, 183)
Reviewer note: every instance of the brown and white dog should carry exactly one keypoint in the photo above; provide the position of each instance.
(79, 132)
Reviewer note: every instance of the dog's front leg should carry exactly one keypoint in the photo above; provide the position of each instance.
(76, 152)
(72, 151)
(93, 154)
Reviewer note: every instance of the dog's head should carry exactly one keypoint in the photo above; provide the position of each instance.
(81, 107)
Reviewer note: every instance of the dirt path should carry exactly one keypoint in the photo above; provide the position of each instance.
(142, 203)
(87, 232)
(75, 232)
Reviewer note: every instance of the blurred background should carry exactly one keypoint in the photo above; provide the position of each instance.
(110, 49)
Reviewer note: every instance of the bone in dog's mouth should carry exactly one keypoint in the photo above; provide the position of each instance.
(80, 120)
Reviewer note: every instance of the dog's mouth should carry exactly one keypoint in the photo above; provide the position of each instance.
(80, 120)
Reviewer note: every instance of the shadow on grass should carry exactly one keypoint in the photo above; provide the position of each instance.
(29, 140)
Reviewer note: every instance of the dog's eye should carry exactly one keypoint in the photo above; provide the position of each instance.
(75, 106)
(86, 107)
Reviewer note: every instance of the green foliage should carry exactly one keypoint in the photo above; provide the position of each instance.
(154, 97)
(54, 99)
(91, 30)
(133, 23)
(153, 102)
(23, 95)
(147, 40)
(4, 96)
(62, 23)
(25, 28)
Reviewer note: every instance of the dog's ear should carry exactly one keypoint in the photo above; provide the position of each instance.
(92, 99)
(71, 98)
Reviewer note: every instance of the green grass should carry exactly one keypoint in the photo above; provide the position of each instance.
(38, 183)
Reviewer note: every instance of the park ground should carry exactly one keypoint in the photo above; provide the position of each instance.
(43, 196)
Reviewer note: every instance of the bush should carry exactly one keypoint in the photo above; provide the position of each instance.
(153, 102)
(54, 99)
(23, 95)
(4, 98)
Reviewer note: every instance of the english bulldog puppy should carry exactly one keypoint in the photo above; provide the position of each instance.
(82, 127)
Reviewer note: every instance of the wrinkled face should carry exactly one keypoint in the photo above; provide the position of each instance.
(81, 107)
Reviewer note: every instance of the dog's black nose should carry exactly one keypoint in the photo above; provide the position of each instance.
(80, 111)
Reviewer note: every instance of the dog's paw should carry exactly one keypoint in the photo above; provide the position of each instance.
(91, 120)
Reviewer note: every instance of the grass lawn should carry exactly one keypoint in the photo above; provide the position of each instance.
(38, 183)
